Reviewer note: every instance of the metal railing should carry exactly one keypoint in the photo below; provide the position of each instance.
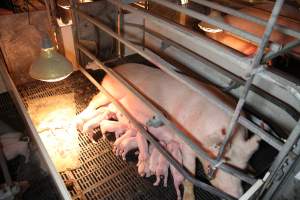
(162, 64)
(255, 64)
(254, 67)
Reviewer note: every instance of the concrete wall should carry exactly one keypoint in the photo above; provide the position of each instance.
(20, 41)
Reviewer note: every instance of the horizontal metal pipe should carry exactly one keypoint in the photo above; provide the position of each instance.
(292, 89)
(187, 140)
(166, 67)
(151, 138)
(289, 46)
(242, 15)
(202, 17)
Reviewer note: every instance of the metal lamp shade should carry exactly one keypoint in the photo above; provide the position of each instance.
(209, 28)
(50, 66)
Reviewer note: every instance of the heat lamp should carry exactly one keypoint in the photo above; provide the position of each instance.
(50, 66)
(209, 28)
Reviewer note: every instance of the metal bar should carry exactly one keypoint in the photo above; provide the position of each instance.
(48, 11)
(289, 46)
(166, 122)
(254, 19)
(202, 17)
(75, 29)
(119, 31)
(152, 139)
(255, 187)
(254, 66)
(34, 135)
(165, 66)
(292, 89)
(144, 33)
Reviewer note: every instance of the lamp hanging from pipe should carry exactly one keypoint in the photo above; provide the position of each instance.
(50, 66)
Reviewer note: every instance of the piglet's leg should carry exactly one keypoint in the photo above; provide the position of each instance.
(90, 125)
(162, 169)
(125, 146)
(129, 133)
(91, 110)
(113, 126)
(85, 116)
(174, 149)
(143, 163)
(98, 100)
(153, 160)
(189, 161)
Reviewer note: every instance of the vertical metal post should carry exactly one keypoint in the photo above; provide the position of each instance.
(254, 66)
(75, 29)
(119, 25)
(144, 25)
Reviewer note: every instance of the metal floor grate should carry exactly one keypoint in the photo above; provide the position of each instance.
(101, 175)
